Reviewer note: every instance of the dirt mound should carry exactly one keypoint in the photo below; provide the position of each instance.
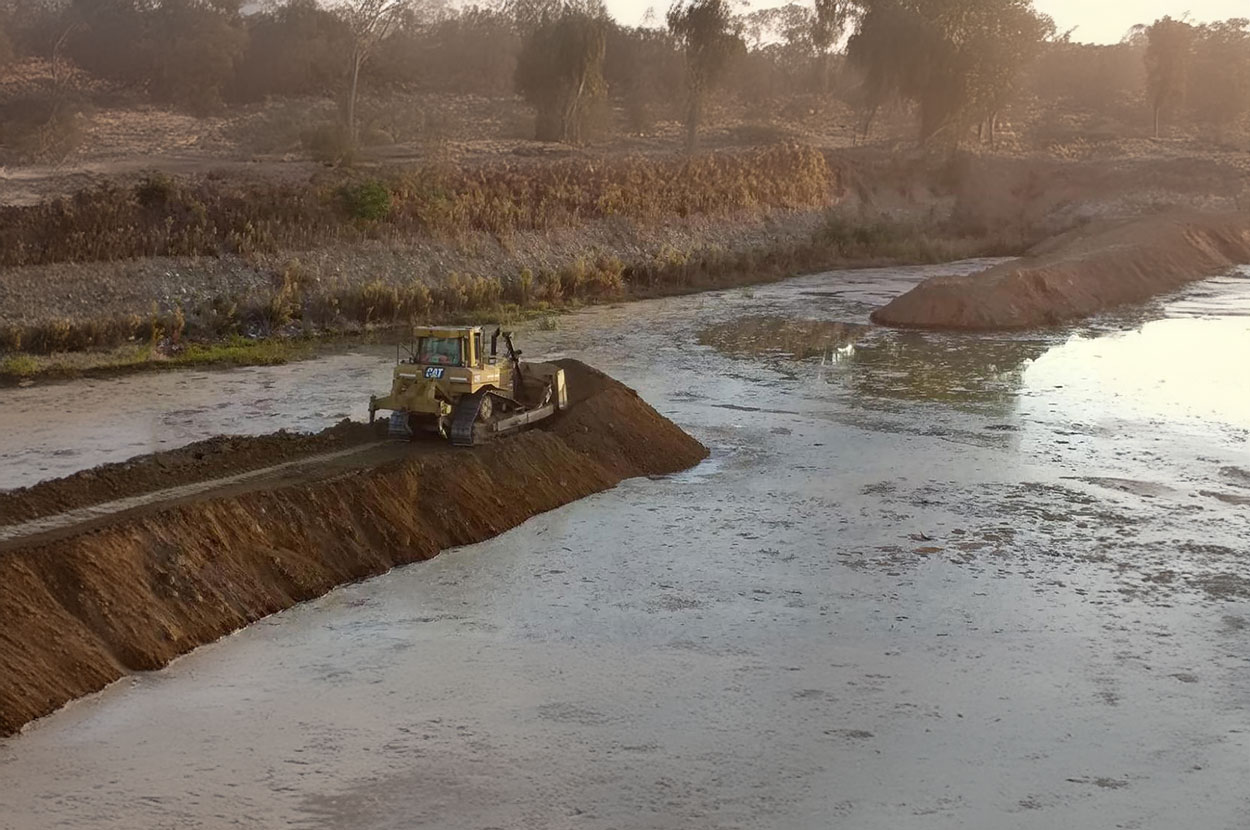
(81, 612)
(1079, 274)
(217, 457)
(584, 381)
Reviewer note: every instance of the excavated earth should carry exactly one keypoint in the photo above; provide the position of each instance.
(83, 606)
(215, 457)
(1079, 274)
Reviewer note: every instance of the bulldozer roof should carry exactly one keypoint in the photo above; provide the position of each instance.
(445, 331)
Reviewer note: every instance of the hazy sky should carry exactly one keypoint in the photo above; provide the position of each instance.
(1096, 21)
(1106, 21)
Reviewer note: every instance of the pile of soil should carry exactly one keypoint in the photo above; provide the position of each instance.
(1079, 274)
(81, 612)
(217, 457)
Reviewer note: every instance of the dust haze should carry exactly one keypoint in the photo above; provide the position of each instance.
(876, 457)
(215, 80)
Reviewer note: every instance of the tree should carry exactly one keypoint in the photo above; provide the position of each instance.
(829, 22)
(560, 73)
(193, 48)
(369, 22)
(958, 61)
(1004, 38)
(296, 48)
(642, 67)
(781, 58)
(710, 37)
(1168, 46)
(1219, 78)
(181, 51)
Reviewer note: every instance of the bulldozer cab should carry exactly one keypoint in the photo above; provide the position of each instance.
(460, 347)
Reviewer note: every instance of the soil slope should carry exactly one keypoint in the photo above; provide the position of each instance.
(77, 613)
(1079, 274)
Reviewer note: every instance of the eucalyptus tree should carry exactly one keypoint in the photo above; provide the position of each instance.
(710, 36)
(957, 61)
(560, 71)
(370, 22)
(1169, 45)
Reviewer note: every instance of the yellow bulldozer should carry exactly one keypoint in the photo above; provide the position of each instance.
(449, 384)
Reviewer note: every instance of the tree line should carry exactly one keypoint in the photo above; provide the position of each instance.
(954, 64)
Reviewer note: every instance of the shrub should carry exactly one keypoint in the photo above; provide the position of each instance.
(329, 144)
(156, 191)
(369, 201)
(18, 366)
(39, 129)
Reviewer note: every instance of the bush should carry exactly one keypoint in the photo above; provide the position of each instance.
(329, 144)
(39, 129)
(18, 366)
(156, 192)
(369, 201)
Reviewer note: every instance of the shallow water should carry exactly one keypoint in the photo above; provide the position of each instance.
(925, 581)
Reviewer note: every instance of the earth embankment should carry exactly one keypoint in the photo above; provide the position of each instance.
(216, 457)
(79, 611)
(1079, 274)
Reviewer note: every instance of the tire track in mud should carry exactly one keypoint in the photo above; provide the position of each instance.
(131, 591)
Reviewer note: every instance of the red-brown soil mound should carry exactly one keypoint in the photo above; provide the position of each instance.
(79, 612)
(1079, 274)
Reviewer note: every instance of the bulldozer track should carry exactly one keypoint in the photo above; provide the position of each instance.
(464, 419)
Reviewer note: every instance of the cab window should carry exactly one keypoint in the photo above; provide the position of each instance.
(439, 351)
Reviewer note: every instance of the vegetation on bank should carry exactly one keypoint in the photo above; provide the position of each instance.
(19, 367)
(286, 322)
(163, 216)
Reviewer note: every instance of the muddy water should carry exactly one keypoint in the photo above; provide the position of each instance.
(925, 581)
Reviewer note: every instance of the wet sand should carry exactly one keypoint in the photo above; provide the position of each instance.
(932, 581)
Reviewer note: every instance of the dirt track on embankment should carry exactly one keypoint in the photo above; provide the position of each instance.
(1079, 274)
(84, 605)
(217, 457)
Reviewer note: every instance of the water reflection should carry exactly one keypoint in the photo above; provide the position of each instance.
(1176, 369)
(784, 337)
(1173, 369)
(964, 371)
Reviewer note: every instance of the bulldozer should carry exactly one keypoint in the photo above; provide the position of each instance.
(449, 384)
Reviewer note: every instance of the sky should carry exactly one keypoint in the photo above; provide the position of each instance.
(1095, 21)
(1107, 21)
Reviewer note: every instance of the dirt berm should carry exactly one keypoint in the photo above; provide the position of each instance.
(1079, 274)
(216, 457)
(81, 610)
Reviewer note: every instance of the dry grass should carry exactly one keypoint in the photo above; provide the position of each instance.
(298, 306)
(163, 216)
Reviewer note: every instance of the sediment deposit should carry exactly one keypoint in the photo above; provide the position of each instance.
(1079, 274)
(79, 611)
